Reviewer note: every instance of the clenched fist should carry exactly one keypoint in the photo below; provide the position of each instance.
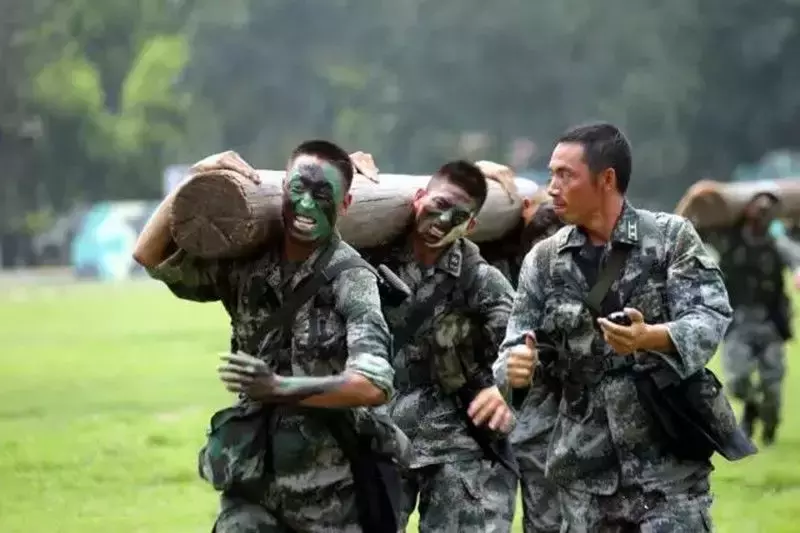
(521, 362)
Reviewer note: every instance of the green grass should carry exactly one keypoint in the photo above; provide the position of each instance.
(105, 393)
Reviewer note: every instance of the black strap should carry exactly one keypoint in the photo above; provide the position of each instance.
(610, 272)
(323, 274)
(420, 311)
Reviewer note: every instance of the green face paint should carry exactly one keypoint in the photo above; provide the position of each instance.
(443, 218)
(313, 191)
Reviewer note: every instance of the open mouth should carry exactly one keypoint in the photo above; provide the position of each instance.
(304, 224)
(436, 233)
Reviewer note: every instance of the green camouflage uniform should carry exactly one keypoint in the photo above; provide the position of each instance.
(754, 267)
(448, 471)
(612, 471)
(530, 438)
(341, 328)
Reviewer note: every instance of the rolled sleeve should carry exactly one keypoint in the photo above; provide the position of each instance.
(698, 302)
(492, 299)
(368, 337)
(525, 314)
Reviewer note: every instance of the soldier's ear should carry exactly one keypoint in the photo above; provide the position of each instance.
(345, 205)
(471, 224)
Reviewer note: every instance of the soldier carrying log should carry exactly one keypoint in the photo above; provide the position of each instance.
(446, 339)
(300, 451)
(754, 262)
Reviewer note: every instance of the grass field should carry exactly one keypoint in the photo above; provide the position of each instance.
(105, 393)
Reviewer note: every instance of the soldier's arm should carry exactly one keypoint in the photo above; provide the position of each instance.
(526, 309)
(368, 378)
(187, 277)
(698, 304)
(492, 297)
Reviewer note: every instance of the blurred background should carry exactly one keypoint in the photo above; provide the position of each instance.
(106, 388)
(103, 104)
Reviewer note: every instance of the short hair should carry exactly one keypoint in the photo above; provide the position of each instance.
(604, 146)
(329, 152)
(466, 176)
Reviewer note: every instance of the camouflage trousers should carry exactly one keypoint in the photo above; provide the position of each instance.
(541, 512)
(329, 508)
(451, 497)
(632, 510)
(751, 347)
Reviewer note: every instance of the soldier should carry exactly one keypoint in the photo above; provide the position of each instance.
(531, 435)
(446, 339)
(753, 262)
(309, 355)
(652, 275)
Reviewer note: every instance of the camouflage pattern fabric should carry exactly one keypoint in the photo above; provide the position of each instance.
(530, 439)
(466, 325)
(603, 439)
(754, 266)
(452, 497)
(540, 504)
(341, 328)
(753, 345)
(634, 510)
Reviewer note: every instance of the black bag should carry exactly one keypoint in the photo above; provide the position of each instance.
(693, 417)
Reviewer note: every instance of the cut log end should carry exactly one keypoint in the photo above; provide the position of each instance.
(221, 214)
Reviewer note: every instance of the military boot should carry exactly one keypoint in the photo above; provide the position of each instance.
(749, 417)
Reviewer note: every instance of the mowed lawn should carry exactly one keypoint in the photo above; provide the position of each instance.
(105, 394)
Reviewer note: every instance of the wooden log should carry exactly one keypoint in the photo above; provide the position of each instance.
(713, 204)
(220, 213)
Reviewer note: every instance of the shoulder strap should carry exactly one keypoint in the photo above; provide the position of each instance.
(324, 273)
(610, 272)
(471, 259)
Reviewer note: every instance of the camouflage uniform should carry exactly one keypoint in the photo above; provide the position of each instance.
(530, 438)
(612, 471)
(754, 269)
(342, 327)
(448, 471)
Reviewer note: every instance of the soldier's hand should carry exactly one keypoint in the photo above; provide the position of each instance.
(244, 374)
(797, 280)
(365, 165)
(228, 160)
(521, 361)
(489, 405)
(624, 339)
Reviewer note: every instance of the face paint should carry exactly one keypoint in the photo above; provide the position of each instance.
(442, 218)
(313, 190)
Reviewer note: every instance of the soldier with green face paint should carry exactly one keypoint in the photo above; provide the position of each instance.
(278, 455)
(446, 339)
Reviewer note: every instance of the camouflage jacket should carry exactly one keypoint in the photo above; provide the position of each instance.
(754, 267)
(467, 324)
(539, 403)
(340, 328)
(602, 437)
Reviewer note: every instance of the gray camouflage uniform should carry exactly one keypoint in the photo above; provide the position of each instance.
(530, 438)
(754, 267)
(341, 328)
(448, 471)
(613, 474)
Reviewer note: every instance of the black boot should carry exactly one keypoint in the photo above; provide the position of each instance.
(749, 417)
(769, 434)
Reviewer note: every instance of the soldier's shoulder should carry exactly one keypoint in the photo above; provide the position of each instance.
(664, 221)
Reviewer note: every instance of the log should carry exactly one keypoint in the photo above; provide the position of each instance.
(714, 204)
(219, 213)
